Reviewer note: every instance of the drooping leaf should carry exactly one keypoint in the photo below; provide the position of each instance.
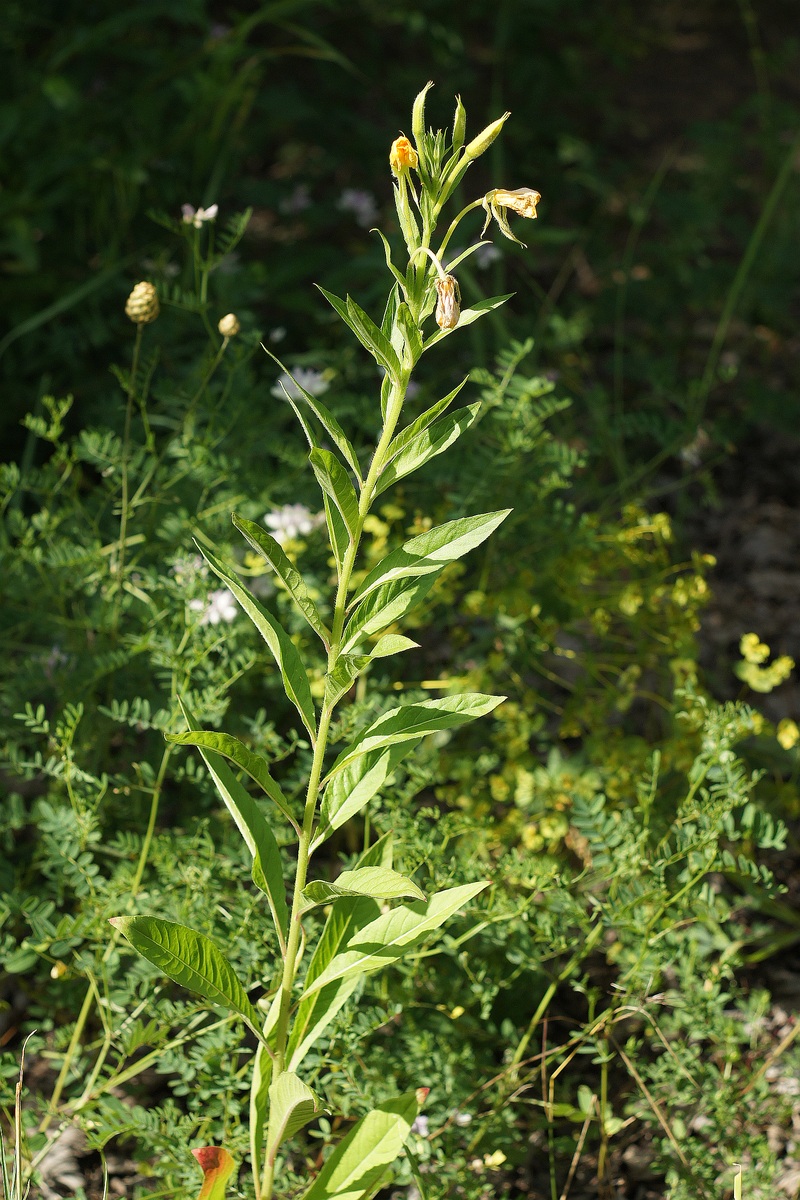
(377, 882)
(357, 1167)
(274, 554)
(391, 935)
(354, 786)
(401, 440)
(432, 550)
(230, 747)
(292, 1104)
(191, 959)
(286, 654)
(469, 315)
(332, 478)
(427, 445)
(217, 1165)
(414, 721)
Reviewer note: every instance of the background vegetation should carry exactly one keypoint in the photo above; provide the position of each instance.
(612, 1014)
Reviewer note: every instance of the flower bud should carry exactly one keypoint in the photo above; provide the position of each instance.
(448, 304)
(484, 140)
(402, 156)
(229, 325)
(142, 305)
(459, 125)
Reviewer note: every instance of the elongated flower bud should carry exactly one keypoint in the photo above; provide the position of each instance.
(459, 125)
(402, 156)
(142, 305)
(484, 140)
(448, 304)
(229, 325)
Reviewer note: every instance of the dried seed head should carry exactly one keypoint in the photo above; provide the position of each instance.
(229, 325)
(402, 156)
(448, 304)
(142, 305)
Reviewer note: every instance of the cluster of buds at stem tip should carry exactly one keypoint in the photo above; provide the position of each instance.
(142, 305)
(402, 156)
(229, 325)
(522, 201)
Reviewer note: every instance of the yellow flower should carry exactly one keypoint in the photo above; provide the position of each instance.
(142, 304)
(229, 325)
(787, 733)
(402, 156)
(522, 201)
(448, 304)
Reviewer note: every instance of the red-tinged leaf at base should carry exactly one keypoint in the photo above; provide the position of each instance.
(217, 1166)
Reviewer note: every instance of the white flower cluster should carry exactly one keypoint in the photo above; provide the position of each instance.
(198, 216)
(291, 521)
(220, 606)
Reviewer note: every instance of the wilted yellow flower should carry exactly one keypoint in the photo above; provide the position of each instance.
(402, 156)
(142, 305)
(787, 733)
(229, 325)
(448, 304)
(522, 201)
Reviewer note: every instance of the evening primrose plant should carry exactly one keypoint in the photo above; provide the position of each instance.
(375, 915)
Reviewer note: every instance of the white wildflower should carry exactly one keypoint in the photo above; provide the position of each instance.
(198, 216)
(220, 606)
(361, 204)
(291, 521)
(310, 380)
(461, 1119)
(420, 1126)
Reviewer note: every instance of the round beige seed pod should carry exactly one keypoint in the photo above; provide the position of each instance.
(229, 325)
(142, 305)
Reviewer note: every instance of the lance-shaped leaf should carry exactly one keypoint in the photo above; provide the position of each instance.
(354, 786)
(332, 478)
(371, 337)
(292, 1104)
(286, 654)
(392, 643)
(401, 440)
(468, 315)
(377, 882)
(359, 1164)
(258, 837)
(385, 605)
(217, 1165)
(191, 959)
(411, 335)
(230, 747)
(286, 571)
(393, 934)
(414, 721)
(427, 445)
(432, 550)
(346, 917)
(387, 250)
(324, 416)
(339, 681)
(337, 530)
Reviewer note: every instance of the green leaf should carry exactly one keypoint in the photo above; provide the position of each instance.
(367, 332)
(295, 680)
(191, 959)
(333, 479)
(358, 1165)
(257, 835)
(377, 882)
(292, 1104)
(469, 315)
(387, 250)
(415, 721)
(384, 606)
(427, 445)
(217, 1165)
(230, 747)
(259, 1101)
(315, 1013)
(339, 681)
(432, 550)
(392, 643)
(353, 787)
(274, 554)
(391, 935)
(401, 440)
(411, 335)
(337, 531)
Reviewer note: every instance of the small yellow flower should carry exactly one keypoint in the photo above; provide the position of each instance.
(402, 156)
(787, 733)
(522, 201)
(142, 305)
(229, 325)
(448, 304)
